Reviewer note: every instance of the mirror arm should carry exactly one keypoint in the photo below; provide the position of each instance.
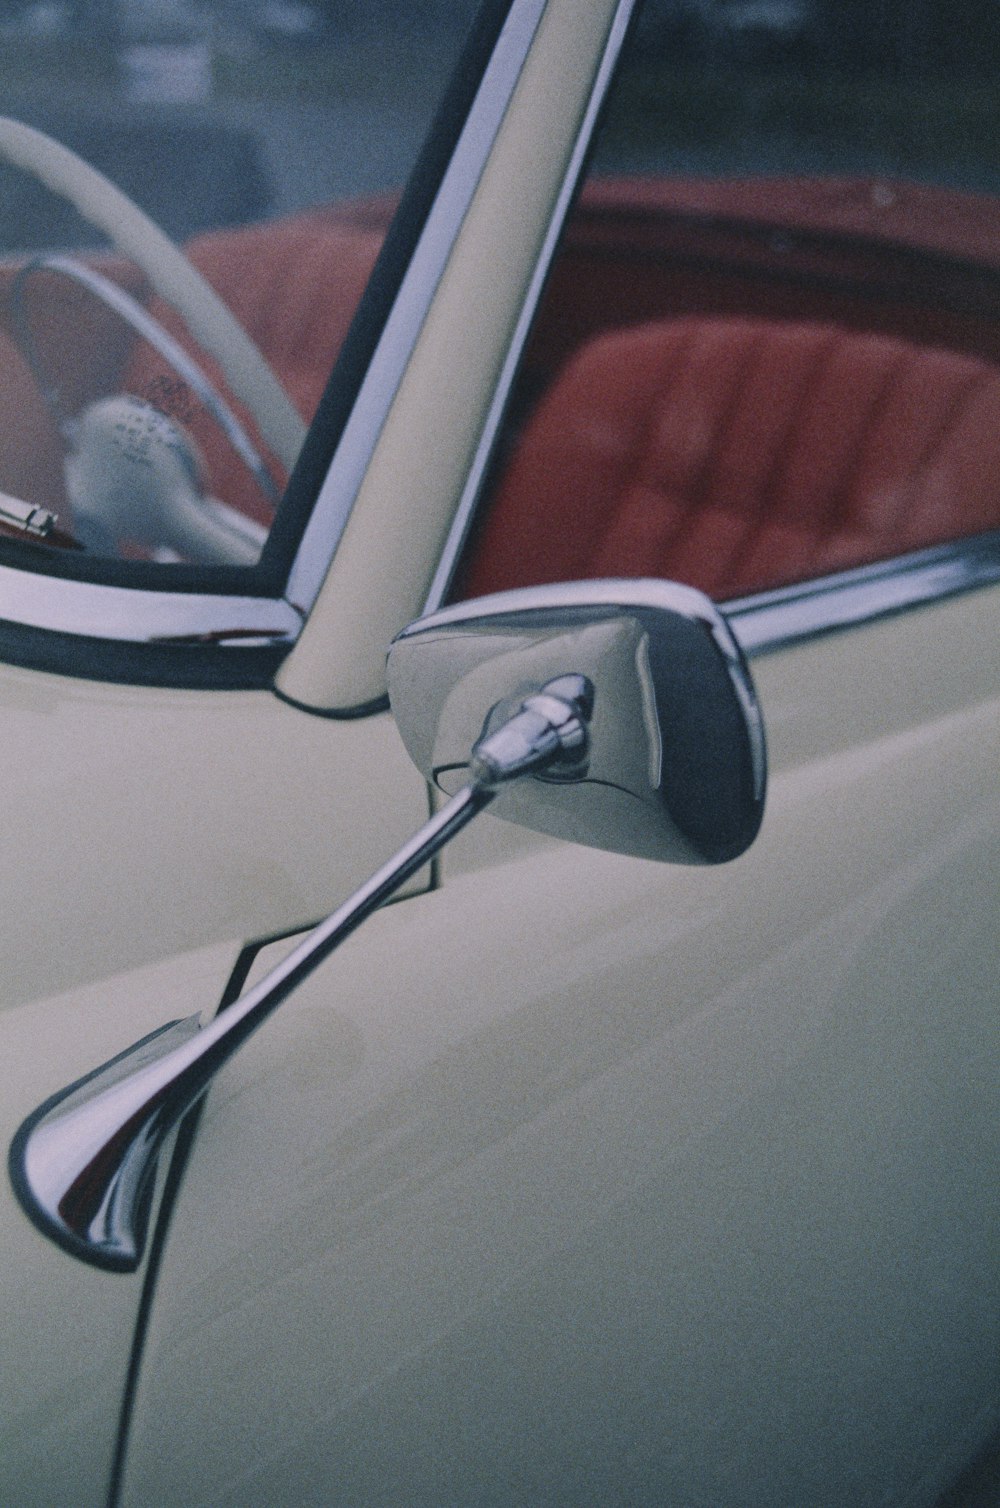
(82, 1163)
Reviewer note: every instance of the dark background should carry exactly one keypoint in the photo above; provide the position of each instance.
(889, 36)
(315, 100)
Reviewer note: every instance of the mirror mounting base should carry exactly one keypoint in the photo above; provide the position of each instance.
(81, 1165)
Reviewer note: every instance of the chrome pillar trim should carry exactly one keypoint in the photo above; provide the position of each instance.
(778, 619)
(402, 329)
(88, 608)
(470, 493)
(82, 1163)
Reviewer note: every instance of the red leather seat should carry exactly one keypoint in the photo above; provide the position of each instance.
(736, 454)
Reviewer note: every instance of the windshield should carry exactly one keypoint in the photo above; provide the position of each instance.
(191, 202)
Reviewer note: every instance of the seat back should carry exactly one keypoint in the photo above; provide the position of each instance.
(736, 454)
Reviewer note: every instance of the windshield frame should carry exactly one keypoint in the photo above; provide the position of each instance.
(228, 625)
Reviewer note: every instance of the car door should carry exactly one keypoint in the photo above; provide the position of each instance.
(581, 1179)
(150, 832)
(584, 1180)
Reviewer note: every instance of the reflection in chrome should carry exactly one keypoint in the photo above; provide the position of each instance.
(677, 761)
(151, 331)
(790, 615)
(81, 1165)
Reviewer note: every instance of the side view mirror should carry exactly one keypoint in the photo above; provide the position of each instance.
(675, 767)
(617, 713)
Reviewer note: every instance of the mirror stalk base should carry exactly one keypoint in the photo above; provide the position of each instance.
(82, 1163)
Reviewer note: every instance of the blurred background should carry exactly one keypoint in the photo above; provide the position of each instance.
(214, 112)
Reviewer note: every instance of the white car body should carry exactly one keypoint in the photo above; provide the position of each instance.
(572, 1177)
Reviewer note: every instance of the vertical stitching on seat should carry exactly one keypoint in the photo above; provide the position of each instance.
(680, 361)
(817, 369)
(750, 363)
(826, 524)
(974, 382)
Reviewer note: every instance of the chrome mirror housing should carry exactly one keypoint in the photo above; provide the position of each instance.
(676, 766)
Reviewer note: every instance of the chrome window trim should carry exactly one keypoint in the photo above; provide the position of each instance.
(129, 614)
(470, 493)
(354, 451)
(791, 615)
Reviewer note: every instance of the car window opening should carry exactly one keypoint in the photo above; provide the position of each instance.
(752, 372)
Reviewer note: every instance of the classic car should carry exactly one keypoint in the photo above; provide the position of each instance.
(631, 1154)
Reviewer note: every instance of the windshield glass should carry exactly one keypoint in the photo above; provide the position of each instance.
(192, 198)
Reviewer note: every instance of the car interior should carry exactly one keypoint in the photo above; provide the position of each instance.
(711, 391)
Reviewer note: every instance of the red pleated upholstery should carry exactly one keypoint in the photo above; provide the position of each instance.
(735, 454)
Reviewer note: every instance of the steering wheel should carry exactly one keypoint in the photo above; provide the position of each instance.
(168, 272)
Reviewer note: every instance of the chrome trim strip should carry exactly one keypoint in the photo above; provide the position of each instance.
(791, 615)
(395, 346)
(470, 493)
(63, 605)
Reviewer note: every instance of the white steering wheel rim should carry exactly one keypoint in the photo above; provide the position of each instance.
(170, 274)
